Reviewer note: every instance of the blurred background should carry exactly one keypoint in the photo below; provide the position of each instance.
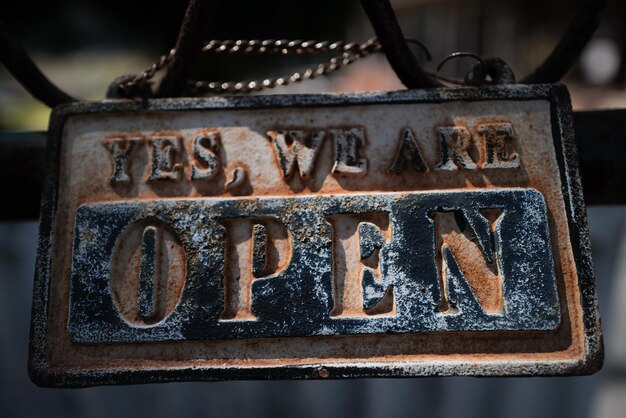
(82, 46)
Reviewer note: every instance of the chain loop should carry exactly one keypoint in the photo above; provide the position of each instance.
(350, 52)
(243, 87)
(141, 79)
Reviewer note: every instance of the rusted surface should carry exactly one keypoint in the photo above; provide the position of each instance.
(427, 294)
(300, 236)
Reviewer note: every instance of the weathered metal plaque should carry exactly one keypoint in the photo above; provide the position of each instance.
(409, 233)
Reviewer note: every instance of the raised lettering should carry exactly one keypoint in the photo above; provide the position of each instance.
(259, 249)
(360, 285)
(497, 137)
(149, 273)
(454, 145)
(206, 150)
(408, 151)
(121, 149)
(347, 145)
(238, 179)
(297, 148)
(473, 285)
(164, 151)
(256, 248)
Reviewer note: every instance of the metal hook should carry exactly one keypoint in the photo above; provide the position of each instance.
(419, 43)
(491, 71)
(394, 45)
(463, 54)
(482, 76)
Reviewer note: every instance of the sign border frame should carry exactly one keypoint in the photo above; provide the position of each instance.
(567, 159)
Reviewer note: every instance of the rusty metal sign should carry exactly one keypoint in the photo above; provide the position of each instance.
(410, 233)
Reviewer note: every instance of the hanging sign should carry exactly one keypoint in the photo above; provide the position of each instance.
(408, 233)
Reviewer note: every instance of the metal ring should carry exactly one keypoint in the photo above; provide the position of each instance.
(556, 65)
(423, 47)
(460, 55)
(395, 46)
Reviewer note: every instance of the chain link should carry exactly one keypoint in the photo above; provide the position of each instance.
(140, 80)
(285, 46)
(350, 52)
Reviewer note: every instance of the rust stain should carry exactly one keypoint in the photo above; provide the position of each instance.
(85, 178)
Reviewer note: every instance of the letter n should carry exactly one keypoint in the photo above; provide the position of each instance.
(467, 263)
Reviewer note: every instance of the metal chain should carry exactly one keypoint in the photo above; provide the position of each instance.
(350, 52)
(285, 46)
(148, 74)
